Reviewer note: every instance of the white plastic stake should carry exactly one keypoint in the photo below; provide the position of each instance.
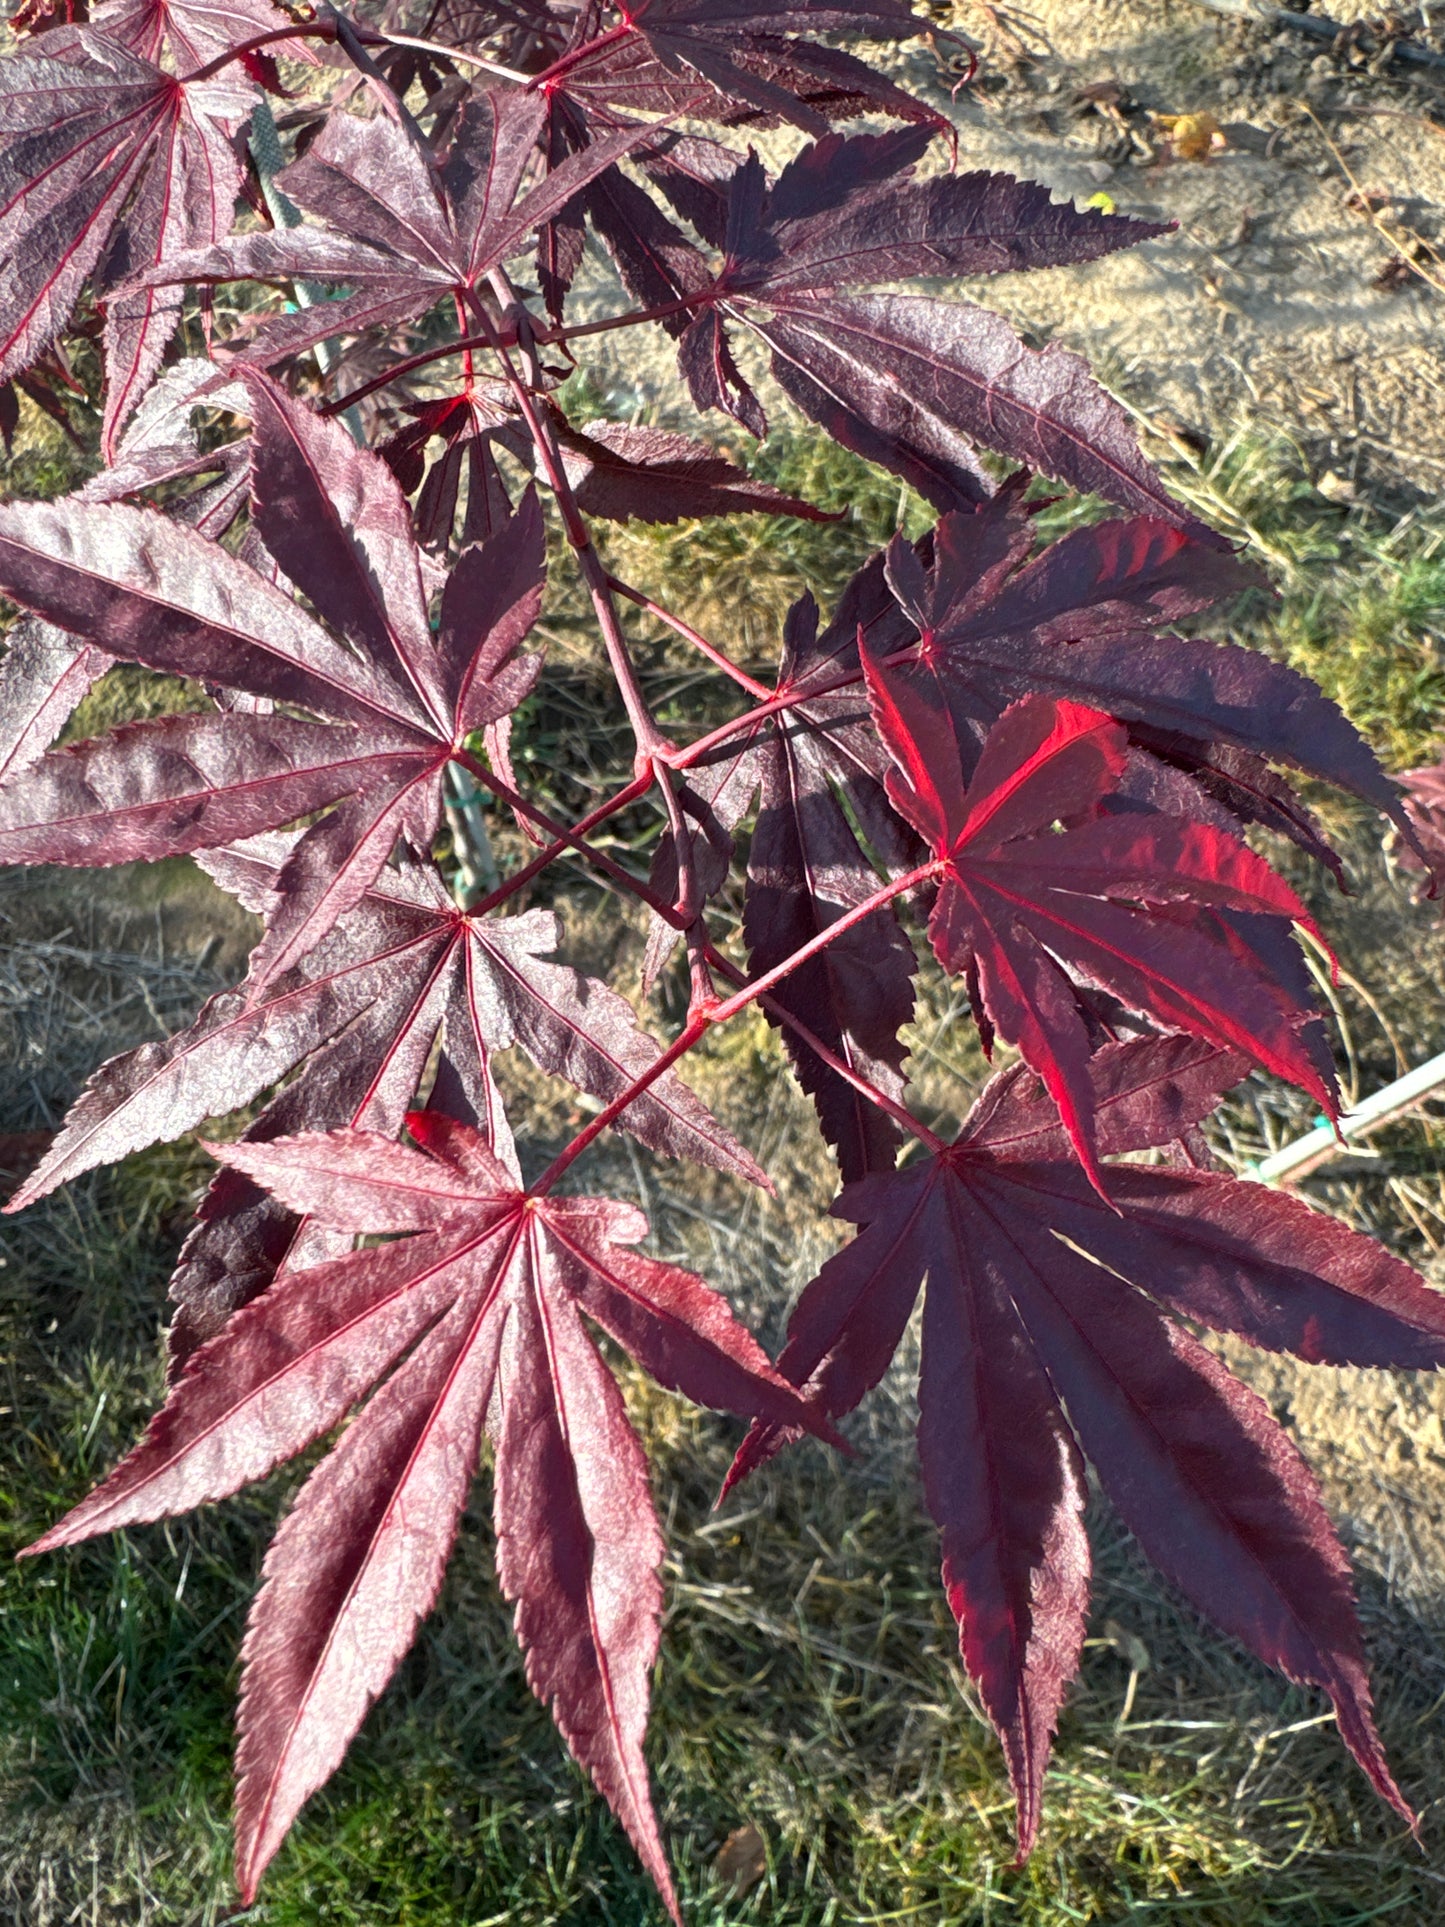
(1298, 1159)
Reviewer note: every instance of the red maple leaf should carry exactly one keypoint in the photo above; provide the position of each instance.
(108, 164)
(398, 703)
(476, 1320)
(1033, 875)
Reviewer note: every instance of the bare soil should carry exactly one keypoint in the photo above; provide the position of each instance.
(1284, 299)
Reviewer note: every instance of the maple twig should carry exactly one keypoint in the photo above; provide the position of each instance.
(695, 1030)
(885, 894)
(315, 30)
(776, 704)
(699, 641)
(689, 896)
(648, 737)
(567, 839)
(575, 840)
(709, 1016)
(631, 319)
(329, 27)
(457, 53)
(838, 1065)
(544, 336)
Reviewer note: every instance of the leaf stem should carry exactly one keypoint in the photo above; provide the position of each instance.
(549, 76)
(695, 1030)
(544, 336)
(708, 1016)
(649, 739)
(316, 30)
(329, 28)
(699, 641)
(563, 837)
(457, 53)
(760, 985)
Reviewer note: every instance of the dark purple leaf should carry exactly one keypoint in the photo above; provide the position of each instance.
(916, 384)
(43, 675)
(334, 518)
(106, 163)
(620, 473)
(1018, 1319)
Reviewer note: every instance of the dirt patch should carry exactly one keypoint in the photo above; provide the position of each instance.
(1282, 300)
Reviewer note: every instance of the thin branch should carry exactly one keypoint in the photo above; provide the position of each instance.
(881, 896)
(458, 53)
(699, 641)
(648, 737)
(695, 1031)
(710, 1016)
(317, 30)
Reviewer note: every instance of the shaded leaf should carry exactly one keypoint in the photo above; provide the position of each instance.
(1040, 1296)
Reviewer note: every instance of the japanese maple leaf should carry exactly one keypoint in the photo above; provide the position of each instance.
(748, 53)
(475, 1319)
(401, 970)
(467, 425)
(160, 445)
(196, 32)
(1423, 845)
(913, 383)
(1050, 1332)
(43, 675)
(110, 166)
(622, 472)
(1088, 619)
(755, 68)
(405, 232)
(1115, 897)
(397, 703)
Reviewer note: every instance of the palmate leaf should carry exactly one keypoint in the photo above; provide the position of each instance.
(397, 703)
(622, 473)
(1017, 898)
(761, 80)
(402, 965)
(195, 32)
(106, 162)
(1088, 619)
(749, 53)
(469, 425)
(1046, 1332)
(1093, 618)
(405, 232)
(476, 1317)
(913, 383)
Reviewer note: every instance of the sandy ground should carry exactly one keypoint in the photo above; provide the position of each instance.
(1283, 298)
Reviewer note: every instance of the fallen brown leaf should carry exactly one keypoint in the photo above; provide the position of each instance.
(741, 1861)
